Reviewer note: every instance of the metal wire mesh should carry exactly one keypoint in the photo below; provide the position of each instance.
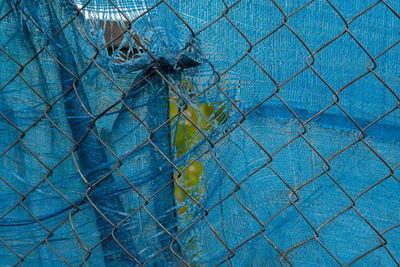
(302, 131)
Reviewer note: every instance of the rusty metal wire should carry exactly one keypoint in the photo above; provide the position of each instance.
(295, 194)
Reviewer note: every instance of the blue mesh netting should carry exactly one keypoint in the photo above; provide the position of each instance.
(288, 112)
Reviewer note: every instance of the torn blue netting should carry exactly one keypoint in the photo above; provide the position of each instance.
(298, 157)
(62, 96)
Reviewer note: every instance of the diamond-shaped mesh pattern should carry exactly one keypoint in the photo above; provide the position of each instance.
(288, 112)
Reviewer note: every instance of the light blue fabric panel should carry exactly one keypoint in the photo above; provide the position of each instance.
(262, 190)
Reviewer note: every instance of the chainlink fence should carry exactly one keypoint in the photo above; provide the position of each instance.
(274, 142)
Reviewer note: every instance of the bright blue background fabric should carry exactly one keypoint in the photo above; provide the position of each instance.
(272, 124)
(262, 193)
